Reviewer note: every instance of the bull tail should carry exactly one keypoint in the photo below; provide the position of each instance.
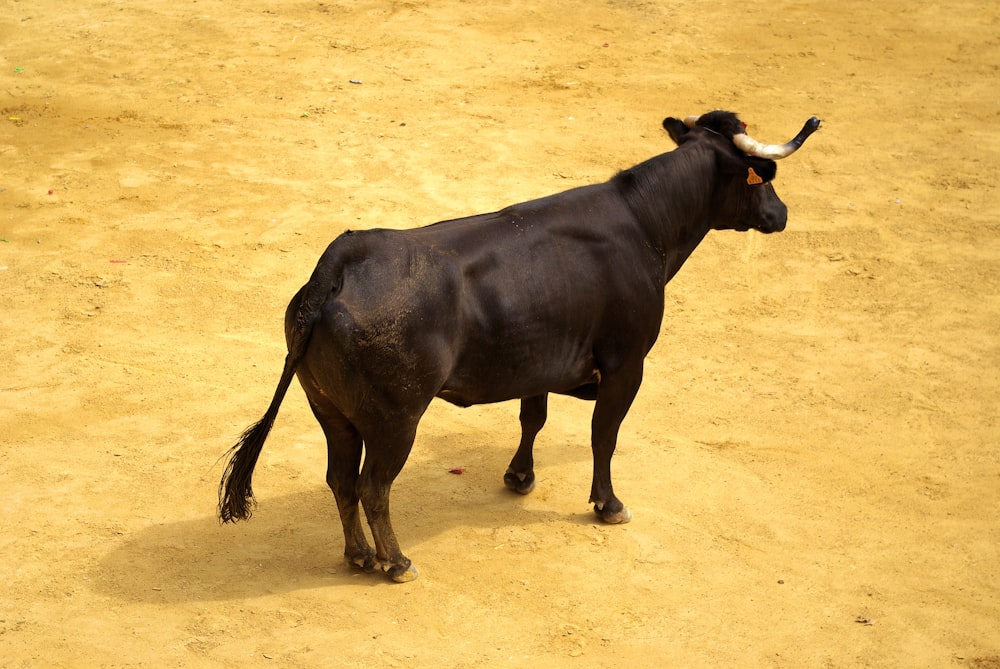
(236, 500)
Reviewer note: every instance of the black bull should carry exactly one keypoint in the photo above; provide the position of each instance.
(563, 294)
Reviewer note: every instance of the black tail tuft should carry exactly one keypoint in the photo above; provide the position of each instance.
(236, 500)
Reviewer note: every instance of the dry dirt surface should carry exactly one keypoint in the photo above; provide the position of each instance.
(813, 458)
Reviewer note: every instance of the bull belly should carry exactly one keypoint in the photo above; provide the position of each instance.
(466, 392)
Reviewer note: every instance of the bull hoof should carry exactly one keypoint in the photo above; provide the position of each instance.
(402, 573)
(363, 561)
(614, 517)
(522, 484)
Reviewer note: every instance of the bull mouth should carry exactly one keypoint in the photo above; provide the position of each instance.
(771, 229)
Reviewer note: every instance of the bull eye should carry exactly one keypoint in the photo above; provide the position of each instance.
(753, 178)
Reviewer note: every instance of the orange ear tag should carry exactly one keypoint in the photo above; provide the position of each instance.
(752, 178)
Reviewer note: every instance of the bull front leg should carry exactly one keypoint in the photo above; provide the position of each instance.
(520, 475)
(615, 393)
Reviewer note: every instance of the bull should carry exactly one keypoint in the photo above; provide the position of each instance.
(563, 294)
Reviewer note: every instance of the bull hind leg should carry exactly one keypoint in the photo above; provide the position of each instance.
(520, 475)
(344, 448)
(386, 451)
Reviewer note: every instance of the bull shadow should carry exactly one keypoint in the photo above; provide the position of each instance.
(295, 542)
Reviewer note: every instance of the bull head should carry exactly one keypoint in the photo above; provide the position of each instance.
(746, 162)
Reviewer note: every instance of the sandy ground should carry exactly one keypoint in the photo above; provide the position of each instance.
(812, 460)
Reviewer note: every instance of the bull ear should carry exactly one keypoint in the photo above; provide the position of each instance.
(740, 165)
(762, 168)
(676, 129)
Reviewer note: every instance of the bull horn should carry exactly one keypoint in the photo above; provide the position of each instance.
(690, 121)
(748, 144)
